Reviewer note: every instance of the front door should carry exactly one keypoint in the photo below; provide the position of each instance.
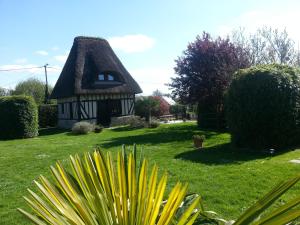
(103, 112)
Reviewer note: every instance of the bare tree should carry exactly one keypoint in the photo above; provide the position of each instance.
(298, 56)
(4, 92)
(267, 45)
(281, 48)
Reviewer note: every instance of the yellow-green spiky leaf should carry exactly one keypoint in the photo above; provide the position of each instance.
(99, 192)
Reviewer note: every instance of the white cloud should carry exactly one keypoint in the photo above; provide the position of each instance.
(21, 61)
(41, 52)
(61, 58)
(252, 20)
(132, 43)
(151, 79)
(55, 48)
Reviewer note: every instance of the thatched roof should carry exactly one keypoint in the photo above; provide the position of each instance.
(89, 57)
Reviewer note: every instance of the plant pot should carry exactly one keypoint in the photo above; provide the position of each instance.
(198, 143)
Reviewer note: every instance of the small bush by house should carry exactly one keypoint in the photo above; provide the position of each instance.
(18, 117)
(153, 124)
(82, 127)
(47, 115)
(137, 122)
(263, 107)
(121, 120)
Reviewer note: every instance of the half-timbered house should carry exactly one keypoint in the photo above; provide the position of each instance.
(93, 86)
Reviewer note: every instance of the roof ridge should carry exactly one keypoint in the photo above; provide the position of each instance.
(89, 38)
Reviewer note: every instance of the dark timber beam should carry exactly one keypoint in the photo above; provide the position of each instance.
(78, 108)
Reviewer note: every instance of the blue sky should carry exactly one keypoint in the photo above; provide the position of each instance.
(146, 35)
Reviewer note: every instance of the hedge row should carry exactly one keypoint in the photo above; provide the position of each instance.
(263, 107)
(18, 117)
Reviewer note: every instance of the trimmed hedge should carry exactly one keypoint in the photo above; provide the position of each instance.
(48, 115)
(263, 107)
(18, 117)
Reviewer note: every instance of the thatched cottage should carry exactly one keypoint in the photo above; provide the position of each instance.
(93, 85)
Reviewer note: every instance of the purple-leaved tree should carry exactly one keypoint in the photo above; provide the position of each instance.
(204, 73)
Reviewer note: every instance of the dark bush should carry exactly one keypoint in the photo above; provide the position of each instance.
(98, 128)
(47, 116)
(18, 117)
(263, 107)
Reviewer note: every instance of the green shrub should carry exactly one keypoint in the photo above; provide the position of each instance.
(47, 116)
(153, 124)
(263, 106)
(18, 117)
(121, 120)
(82, 127)
(136, 122)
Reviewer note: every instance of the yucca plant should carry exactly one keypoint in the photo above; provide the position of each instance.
(256, 214)
(284, 214)
(97, 192)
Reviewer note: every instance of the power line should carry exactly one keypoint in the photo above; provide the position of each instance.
(54, 68)
(17, 81)
(27, 68)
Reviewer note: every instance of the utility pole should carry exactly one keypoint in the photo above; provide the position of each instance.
(298, 56)
(46, 87)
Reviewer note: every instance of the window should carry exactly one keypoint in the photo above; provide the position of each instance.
(101, 77)
(107, 77)
(110, 77)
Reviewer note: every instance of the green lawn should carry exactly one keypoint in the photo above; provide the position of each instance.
(228, 181)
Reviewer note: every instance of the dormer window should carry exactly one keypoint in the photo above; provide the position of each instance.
(110, 77)
(107, 79)
(101, 77)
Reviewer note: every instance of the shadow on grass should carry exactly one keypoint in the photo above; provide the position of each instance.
(158, 135)
(220, 154)
(51, 131)
(126, 128)
(69, 133)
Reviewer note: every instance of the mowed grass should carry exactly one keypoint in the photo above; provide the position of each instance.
(228, 181)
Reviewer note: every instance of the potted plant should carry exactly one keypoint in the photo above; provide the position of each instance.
(198, 140)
